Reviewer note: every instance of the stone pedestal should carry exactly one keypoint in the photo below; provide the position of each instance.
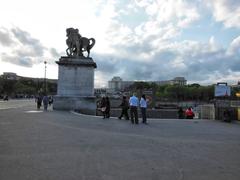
(75, 85)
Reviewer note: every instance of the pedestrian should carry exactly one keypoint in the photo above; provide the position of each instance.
(180, 113)
(50, 100)
(226, 116)
(125, 106)
(143, 106)
(189, 113)
(103, 107)
(133, 101)
(39, 101)
(45, 102)
(108, 107)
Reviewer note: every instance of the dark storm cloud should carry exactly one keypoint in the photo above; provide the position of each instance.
(106, 63)
(130, 69)
(5, 37)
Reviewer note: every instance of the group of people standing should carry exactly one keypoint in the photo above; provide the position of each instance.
(45, 100)
(133, 103)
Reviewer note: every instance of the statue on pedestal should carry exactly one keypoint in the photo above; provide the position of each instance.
(78, 44)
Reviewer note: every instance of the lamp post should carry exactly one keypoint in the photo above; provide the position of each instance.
(45, 80)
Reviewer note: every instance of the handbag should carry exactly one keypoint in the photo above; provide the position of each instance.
(103, 109)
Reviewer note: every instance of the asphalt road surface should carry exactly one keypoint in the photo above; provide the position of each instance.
(55, 145)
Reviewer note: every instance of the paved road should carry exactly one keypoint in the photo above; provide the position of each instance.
(16, 103)
(54, 145)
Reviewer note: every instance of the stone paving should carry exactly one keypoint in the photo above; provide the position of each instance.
(56, 145)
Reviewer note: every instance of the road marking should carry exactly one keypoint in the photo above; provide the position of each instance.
(33, 111)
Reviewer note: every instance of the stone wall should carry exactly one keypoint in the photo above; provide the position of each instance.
(151, 113)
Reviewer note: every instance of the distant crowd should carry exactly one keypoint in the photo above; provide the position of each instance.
(44, 100)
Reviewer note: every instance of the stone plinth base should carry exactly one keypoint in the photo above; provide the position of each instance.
(85, 105)
(76, 76)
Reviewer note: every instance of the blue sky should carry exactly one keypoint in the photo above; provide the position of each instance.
(135, 39)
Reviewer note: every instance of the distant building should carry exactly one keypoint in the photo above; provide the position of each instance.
(117, 84)
(178, 81)
(10, 76)
(14, 76)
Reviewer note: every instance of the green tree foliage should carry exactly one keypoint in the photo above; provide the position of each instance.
(140, 86)
(25, 86)
(188, 92)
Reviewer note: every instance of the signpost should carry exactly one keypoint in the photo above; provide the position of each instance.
(222, 90)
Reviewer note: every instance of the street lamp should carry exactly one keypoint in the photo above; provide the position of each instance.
(45, 80)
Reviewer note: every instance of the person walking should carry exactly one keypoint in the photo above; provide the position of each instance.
(103, 107)
(143, 106)
(39, 101)
(133, 101)
(125, 106)
(50, 100)
(108, 107)
(180, 113)
(45, 102)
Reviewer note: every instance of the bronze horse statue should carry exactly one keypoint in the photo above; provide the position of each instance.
(78, 44)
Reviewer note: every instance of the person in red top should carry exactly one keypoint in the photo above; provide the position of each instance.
(189, 113)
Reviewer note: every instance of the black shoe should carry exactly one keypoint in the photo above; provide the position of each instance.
(119, 118)
(145, 123)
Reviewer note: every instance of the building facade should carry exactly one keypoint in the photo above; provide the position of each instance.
(117, 84)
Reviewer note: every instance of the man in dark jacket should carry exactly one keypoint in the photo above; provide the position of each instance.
(125, 106)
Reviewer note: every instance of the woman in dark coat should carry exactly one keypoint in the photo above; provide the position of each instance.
(125, 106)
(103, 107)
(180, 113)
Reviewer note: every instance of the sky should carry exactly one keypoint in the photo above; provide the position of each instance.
(135, 39)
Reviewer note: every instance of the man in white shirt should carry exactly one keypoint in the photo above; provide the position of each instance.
(134, 102)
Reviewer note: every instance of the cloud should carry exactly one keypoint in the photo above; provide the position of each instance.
(24, 50)
(33, 46)
(226, 11)
(54, 53)
(182, 13)
(234, 47)
(141, 39)
(5, 37)
(23, 61)
(198, 62)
